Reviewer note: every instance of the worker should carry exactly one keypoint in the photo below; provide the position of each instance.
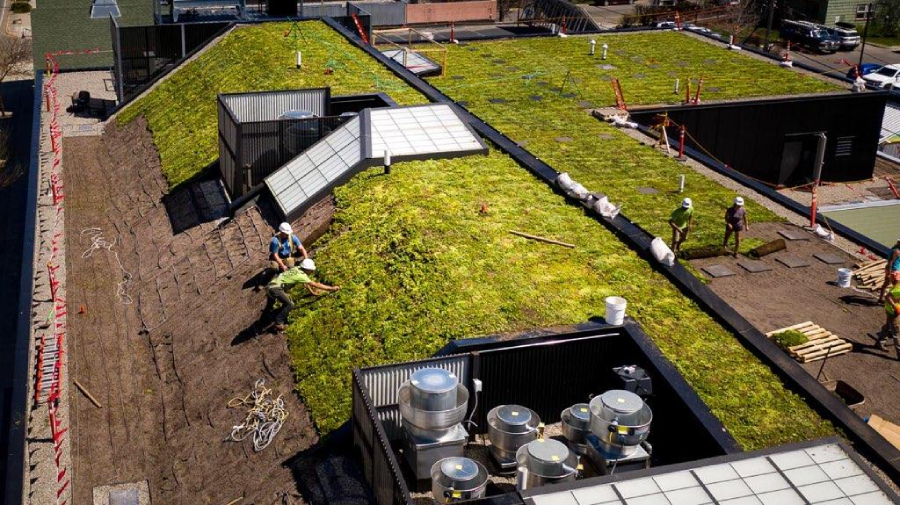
(283, 248)
(735, 222)
(892, 265)
(892, 310)
(681, 221)
(282, 283)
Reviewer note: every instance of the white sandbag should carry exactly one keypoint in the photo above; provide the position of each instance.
(623, 122)
(822, 232)
(564, 181)
(661, 252)
(578, 191)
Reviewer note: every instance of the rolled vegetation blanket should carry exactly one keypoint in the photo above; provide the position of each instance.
(707, 251)
(767, 248)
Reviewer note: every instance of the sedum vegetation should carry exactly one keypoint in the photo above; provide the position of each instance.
(420, 264)
(181, 110)
(539, 91)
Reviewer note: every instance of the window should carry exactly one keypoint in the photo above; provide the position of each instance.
(865, 10)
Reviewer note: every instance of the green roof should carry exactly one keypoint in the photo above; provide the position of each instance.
(66, 25)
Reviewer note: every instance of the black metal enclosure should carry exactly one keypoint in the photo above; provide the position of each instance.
(546, 373)
(141, 53)
(775, 140)
(254, 140)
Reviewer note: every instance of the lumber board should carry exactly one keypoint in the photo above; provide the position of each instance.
(794, 327)
(830, 352)
(816, 344)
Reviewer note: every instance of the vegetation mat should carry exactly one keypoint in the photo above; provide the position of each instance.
(181, 110)
(539, 92)
(424, 255)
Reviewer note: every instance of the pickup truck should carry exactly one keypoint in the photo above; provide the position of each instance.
(810, 36)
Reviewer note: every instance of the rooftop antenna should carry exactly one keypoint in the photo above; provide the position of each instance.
(294, 35)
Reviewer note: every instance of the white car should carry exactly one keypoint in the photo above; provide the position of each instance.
(887, 76)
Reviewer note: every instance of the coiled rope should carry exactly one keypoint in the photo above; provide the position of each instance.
(264, 418)
(98, 241)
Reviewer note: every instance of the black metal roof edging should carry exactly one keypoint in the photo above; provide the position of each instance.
(15, 457)
(794, 376)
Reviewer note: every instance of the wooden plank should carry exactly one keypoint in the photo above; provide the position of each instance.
(794, 327)
(834, 351)
(816, 344)
(887, 429)
(813, 349)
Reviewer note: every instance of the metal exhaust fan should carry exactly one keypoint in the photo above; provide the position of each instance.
(457, 479)
(545, 461)
(509, 428)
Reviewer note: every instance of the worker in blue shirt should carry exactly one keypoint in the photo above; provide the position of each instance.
(283, 248)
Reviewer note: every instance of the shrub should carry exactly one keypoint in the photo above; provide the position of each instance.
(789, 338)
(20, 7)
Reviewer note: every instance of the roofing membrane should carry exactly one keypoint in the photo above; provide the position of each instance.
(820, 474)
(416, 132)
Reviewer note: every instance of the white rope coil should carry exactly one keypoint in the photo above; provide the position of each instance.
(98, 241)
(265, 417)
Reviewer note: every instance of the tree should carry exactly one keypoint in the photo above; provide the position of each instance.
(742, 15)
(15, 53)
(886, 19)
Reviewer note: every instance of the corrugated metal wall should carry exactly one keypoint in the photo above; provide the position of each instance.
(382, 383)
(254, 107)
(323, 10)
(228, 136)
(384, 13)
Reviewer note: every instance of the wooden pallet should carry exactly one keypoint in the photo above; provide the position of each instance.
(870, 275)
(821, 343)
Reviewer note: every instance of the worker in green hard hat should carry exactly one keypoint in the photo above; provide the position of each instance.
(681, 221)
(278, 287)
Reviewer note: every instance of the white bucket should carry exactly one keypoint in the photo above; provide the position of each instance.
(615, 310)
(661, 252)
(844, 277)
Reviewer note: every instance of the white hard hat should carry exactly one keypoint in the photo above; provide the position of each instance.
(739, 201)
(308, 264)
(285, 228)
(687, 203)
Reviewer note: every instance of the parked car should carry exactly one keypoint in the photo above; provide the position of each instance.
(694, 28)
(885, 77)
(848, 35)
(668, 25)
(864, 69)
(810, 36)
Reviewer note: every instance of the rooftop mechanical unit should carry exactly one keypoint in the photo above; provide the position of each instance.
(545, 461)
(620, 424)
(510, 427)
(432, 407)
(458, 479)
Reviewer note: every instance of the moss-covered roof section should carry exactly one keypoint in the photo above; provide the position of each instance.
(539, 92)
(420, 264)
(181, 110)
(60, 25)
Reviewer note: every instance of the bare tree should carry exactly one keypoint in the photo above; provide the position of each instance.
(741, 15)
(15, 53)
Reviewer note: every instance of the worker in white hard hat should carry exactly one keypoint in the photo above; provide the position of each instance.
(284, 247)
(681, 221)
(736, 221)
(277, 289)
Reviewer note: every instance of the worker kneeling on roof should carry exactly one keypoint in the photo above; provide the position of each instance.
(284, 247)
(282, 283)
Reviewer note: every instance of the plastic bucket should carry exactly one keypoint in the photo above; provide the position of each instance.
(844, 277)
(615, 310)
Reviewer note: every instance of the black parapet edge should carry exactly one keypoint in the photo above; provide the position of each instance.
(794, 377)
(15, 458)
